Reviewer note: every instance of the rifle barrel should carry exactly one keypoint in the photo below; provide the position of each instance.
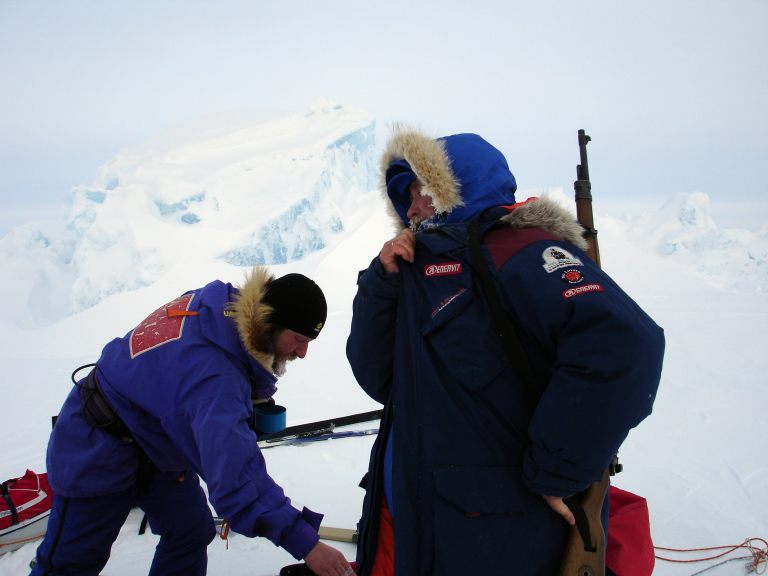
(582, 171)
(583, 188)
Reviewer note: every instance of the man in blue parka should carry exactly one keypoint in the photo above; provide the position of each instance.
(470, 468)
(171, 400)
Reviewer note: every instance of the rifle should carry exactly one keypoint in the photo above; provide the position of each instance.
(583, 189)
(584, 553)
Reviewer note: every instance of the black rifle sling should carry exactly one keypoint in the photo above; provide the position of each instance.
(505, 323)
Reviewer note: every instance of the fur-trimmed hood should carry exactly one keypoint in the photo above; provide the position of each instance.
(462, 174)
(251, 316)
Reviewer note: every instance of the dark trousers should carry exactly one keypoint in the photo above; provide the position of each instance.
(81, 530)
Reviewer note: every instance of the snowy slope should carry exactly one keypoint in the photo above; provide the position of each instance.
(166, 218)
(266, 194)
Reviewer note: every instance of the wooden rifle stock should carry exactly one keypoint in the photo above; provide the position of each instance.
(584, 553)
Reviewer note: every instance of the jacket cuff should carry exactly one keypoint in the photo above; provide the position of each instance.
(541, 476)
(302, 535)
(376, 280)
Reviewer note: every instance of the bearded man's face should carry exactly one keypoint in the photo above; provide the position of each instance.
(288, 345)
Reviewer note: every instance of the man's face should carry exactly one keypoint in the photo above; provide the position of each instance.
(289, 345)
(421, 205)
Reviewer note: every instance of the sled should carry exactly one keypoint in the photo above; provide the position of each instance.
(25, 504)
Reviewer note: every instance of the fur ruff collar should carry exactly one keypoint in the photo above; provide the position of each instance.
(549, 216)
(251, 314)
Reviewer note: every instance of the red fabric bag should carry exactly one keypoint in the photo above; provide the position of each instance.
(629, 550)
(25, 504)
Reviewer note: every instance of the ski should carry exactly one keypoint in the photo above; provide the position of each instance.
(325, 434)
(325, 532)
(338, 534)
(320, 427)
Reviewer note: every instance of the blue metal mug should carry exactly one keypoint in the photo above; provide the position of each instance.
(268, 418)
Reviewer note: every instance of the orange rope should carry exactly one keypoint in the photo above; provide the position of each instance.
(759, 555)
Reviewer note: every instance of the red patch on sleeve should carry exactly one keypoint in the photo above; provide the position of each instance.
(159, 327)
(585, 289)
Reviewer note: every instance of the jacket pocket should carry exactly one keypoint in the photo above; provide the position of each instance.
(487, 522)
(461, 337)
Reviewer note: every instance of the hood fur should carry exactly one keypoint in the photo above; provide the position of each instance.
(549, 216)
(251, 314)
(429, 161)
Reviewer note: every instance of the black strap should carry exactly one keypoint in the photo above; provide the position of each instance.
(7, 497)
(505, 324)
(96, 408)
(582, 522)
(143, 525)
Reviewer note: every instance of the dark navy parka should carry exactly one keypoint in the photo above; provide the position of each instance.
(473, 449)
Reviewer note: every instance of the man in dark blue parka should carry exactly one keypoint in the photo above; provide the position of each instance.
(469, 469)
(171, 400)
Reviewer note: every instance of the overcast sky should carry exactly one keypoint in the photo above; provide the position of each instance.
(673, 92)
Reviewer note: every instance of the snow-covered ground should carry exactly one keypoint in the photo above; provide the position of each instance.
(169, 217)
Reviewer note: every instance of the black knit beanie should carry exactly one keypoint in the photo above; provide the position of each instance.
(298, 304)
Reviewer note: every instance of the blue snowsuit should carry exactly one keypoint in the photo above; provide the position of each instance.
(471, 449)
(183, 383)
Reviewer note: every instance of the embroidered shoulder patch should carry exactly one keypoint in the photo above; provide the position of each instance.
(571, 292)
(160, 327)
(572, 276)
(556, 257)
(444, 269)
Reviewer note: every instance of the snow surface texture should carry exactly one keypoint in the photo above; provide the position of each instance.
(299, 194)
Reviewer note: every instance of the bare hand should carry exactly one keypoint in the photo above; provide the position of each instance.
(401, 246)
(324, 560)
(560, 507)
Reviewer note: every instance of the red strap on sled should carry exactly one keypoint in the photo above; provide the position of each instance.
(630, 548)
